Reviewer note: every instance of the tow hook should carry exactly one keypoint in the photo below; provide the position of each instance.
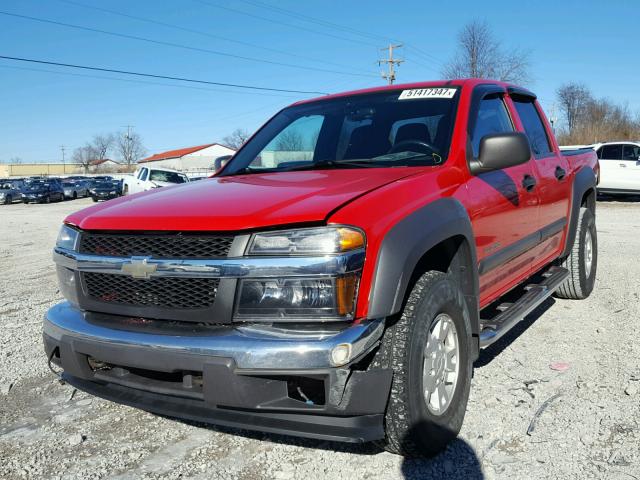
(50, 365)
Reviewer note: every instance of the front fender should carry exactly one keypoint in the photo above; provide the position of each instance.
(406, 243)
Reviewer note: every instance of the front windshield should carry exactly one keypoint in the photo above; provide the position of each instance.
(169, 177)
(398, 128)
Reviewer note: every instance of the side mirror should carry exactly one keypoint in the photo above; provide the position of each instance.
(501, 150)
(221, 162)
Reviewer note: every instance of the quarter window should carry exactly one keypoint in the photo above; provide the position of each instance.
(631, 152)
(533, 128)
(492, 118)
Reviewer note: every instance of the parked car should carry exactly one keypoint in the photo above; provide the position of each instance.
(147, 178)
(341, 290)
(74, 189)
(11, 191)
(619, 167)
(104, 190)
(43, 191)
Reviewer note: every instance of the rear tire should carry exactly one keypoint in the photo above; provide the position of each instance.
(75, 195)
(412, 427)
(126, 190)
(8, 200)
(582, 261)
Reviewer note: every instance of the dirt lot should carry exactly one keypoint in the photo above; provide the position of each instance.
(589, 431)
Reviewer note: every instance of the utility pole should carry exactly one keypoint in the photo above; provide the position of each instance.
(62, 147)
(128, 127)
(390, 76)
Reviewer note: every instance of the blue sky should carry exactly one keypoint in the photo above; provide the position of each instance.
(43, 107)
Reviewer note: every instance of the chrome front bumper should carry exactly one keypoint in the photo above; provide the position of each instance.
(250, 346)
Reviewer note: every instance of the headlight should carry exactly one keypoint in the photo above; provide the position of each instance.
(307, 241)
(67, 238)
(292, 299)
(112, 192)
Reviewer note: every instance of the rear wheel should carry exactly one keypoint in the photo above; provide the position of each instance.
(126, 190)
(429, 350)
(8, 199)
(582, 261)
(75, 195)
(47, 199)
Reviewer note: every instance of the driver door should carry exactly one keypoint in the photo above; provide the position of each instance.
(503, 207)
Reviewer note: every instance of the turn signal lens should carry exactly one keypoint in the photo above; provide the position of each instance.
(350, 239)
(346, 294)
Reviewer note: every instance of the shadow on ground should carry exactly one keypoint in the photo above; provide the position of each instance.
(491, 352)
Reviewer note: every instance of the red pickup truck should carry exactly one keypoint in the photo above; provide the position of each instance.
(338, 277)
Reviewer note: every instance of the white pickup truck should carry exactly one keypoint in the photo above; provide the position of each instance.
(147, 178)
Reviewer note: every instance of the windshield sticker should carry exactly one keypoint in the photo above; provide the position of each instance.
(427, 93)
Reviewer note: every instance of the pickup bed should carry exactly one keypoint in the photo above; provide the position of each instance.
(339, 276)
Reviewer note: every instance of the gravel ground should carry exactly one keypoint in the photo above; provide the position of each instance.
(588, 430)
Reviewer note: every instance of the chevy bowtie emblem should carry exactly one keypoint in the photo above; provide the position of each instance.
(138, 267)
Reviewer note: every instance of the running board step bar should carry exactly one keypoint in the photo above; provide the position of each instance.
(512, 313)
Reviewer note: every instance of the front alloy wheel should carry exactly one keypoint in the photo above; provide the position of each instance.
(440, 368)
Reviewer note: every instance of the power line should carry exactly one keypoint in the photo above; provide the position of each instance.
(317, 21)
(203, 33)
(178, 45)
(283, 11)
(286, 24)
(145, 82)
(165, 77)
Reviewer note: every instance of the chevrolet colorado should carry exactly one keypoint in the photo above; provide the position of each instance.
(338, 277)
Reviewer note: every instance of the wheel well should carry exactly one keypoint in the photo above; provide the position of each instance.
(589, 200)
(452, 256)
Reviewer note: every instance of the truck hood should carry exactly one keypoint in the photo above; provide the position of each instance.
(240, 202)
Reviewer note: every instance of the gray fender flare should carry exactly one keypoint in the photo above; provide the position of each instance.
(583, 181)
(406, 243)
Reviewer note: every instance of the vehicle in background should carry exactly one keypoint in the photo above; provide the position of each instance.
(43, 191)
(147, 178)
(11, 191)
(619, 167)
(195, 179)
(74, 189)
(341, 289)
(103, 190)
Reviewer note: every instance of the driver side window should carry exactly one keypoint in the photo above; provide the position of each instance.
(492, 118)
(143, 174)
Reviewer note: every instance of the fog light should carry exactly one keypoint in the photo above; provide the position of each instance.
(341, 354)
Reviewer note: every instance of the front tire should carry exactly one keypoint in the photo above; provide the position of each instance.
(582, 261)
(431, 368)
(8, 200)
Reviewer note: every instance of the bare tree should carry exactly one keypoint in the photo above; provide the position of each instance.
(236, 138)
(481, 55)
(290, 141)
(103, 144)
(129, 147)
(590, 120)
(573, 98)
(84, 156)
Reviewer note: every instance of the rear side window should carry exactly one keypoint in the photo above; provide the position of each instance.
(492, 118)
(533, 127)
(612, 152)
(631, 152)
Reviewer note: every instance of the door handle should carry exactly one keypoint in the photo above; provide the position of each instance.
(623, 165)
(529, 183)
(560, 173)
